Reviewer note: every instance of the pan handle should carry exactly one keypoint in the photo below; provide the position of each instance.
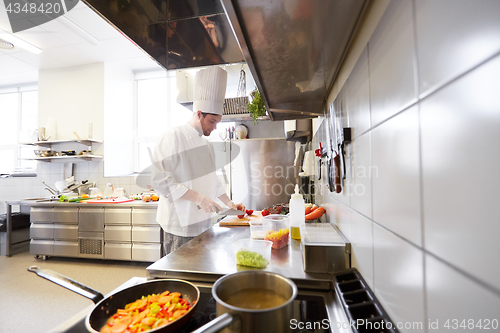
(68, 283)
(217, 324)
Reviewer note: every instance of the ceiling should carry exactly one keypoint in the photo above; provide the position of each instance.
(65, 46)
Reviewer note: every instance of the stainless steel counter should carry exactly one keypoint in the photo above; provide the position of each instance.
(211, 255)
(35, 203)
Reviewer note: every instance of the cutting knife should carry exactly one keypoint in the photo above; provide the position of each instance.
(229, 211)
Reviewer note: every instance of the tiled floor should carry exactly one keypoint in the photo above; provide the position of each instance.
(31, 304)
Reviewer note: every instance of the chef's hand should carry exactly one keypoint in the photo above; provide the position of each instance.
(209, 206)
(238, 206)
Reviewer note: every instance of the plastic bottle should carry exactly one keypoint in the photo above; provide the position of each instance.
(108, 192)
(297, 216)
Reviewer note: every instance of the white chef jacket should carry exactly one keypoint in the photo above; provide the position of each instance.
(183, 160)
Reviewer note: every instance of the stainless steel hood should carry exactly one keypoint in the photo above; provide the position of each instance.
(176, 33)
(294, 49)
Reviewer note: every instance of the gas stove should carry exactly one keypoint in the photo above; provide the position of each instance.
(307, 311)
(348, 307)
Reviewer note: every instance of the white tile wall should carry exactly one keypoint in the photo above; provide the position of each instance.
(453, 36)
(358, 97)
(362, 246)
(460, 159)
(399, 277)
(340, 215)
(361, 189)
(452, 296)
(430, 248)
(396, 181)
(391, 62)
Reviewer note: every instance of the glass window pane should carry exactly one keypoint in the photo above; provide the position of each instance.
(27, 152)
(144, 158)
(9, 123)
(7, 160)
(29, 111)
(152, 101)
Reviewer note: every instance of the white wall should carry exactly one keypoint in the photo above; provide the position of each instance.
(420, 199)
(72, 97)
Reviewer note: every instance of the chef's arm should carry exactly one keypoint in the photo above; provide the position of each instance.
(205, 203)
(225, 199)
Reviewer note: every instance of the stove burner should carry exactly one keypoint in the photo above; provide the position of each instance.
(305, 310)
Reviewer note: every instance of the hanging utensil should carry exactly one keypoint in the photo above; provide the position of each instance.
(242, 92)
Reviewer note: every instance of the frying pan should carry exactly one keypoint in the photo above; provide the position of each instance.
(106, 307)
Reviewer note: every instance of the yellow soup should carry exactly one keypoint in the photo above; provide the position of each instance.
(256, 298)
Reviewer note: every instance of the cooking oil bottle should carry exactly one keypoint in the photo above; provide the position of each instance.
(297, 215)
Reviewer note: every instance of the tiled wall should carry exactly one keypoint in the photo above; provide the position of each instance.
(420, 202)
(22, 188)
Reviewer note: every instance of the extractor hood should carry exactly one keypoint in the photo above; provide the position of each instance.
(294, 48)
(177, 34)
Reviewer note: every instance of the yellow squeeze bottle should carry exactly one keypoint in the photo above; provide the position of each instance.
(297, 213)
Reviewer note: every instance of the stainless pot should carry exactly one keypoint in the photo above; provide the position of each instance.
(235, 319)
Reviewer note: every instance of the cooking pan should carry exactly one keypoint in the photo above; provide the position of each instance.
(106, 307)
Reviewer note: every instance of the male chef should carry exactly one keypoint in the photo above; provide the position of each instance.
(184, 167)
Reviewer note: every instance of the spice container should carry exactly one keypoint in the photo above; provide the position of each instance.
(276, 229)
(253, 253)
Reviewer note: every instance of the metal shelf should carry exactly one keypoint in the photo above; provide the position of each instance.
(65, 158)
(86, 142)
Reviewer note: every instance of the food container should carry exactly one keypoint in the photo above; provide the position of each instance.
(253, 253)
(95, 192)
(256, 229)
(324, 248)
(276, 229)
(120, 193)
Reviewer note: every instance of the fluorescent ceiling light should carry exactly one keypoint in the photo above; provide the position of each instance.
(78, 30)
(18, 42)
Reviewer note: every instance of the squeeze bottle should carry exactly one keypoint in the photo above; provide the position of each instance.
(297, 215)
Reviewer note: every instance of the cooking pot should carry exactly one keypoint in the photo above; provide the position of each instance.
(236, 319)
(106, 307)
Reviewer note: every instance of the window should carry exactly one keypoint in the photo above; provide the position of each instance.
(19, 109)
(156, 111)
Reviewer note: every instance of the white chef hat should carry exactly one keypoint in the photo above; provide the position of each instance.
(210, 90)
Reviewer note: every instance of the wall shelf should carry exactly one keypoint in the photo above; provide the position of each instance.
(67, 158)
(64, 158)
(86, 142)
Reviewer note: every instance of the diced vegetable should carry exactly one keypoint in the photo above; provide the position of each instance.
(146, 313)
(250, 258)
(279, 238)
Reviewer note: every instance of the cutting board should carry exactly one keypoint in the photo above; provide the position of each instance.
(233, 220)
(109, 201)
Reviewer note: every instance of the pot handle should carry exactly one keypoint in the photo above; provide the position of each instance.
(217, 324)
(68, 283)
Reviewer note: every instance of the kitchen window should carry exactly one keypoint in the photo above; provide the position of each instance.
(19, 121)
(156, 111)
